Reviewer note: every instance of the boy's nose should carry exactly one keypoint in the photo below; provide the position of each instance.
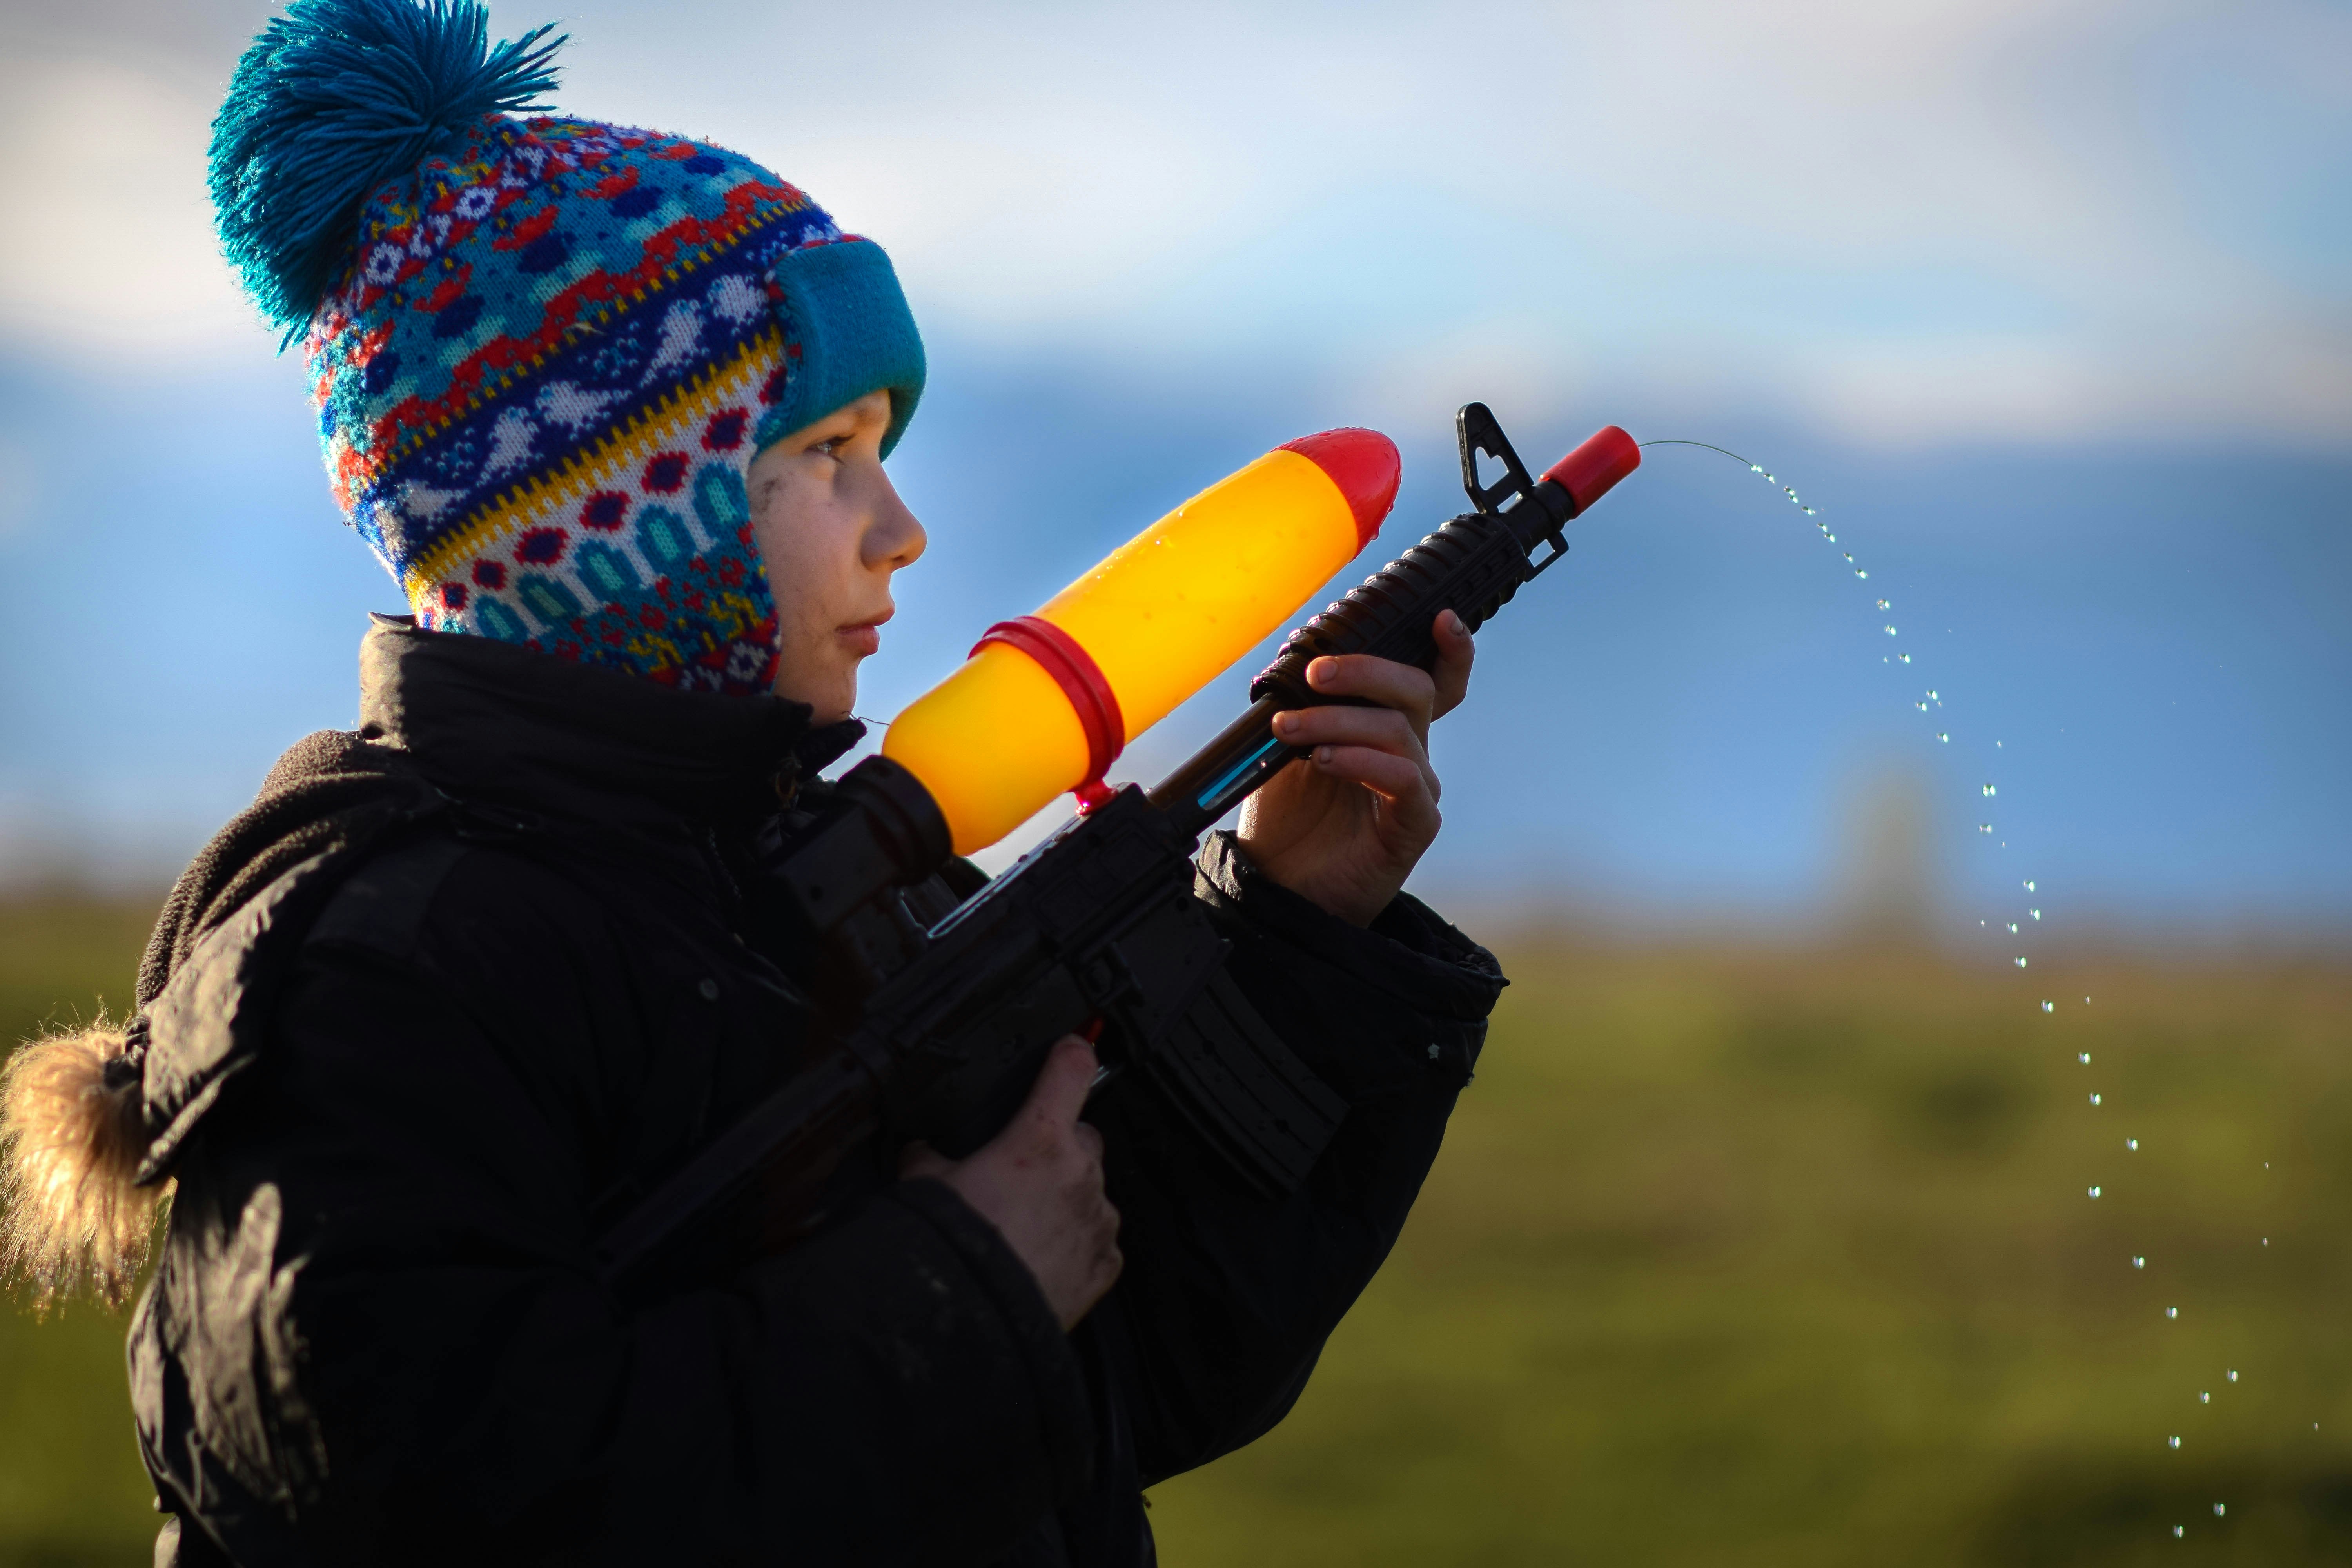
(897, 537)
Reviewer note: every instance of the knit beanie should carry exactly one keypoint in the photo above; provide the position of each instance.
(545, 350)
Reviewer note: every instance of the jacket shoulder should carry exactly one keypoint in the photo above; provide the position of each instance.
(382, 904)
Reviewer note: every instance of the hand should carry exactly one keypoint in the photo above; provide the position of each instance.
(1040, 1184)
(1345, 824)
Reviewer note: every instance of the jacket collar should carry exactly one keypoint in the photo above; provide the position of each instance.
(490, 721)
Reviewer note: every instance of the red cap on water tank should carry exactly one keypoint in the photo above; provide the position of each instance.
(1587, 473)
(1363, 464)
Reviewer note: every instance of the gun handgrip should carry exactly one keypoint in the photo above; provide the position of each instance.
(1472, 566)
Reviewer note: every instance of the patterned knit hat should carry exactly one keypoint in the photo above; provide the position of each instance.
(544, 351)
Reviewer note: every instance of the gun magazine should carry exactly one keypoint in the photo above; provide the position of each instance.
(1249, 1098)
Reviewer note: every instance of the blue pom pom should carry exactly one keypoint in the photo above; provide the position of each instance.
(334, 98)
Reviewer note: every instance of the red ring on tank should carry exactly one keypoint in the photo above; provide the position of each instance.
(1057, 653)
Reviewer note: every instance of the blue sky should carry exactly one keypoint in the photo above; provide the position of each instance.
(2046, 305)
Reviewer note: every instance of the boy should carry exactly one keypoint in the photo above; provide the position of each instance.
(613, 407)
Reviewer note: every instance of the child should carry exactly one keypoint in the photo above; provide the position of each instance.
(461, 986)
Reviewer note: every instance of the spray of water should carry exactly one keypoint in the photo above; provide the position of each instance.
(1933, 701)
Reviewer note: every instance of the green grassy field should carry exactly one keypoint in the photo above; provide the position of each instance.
(1736, 1258)
(72, 1491)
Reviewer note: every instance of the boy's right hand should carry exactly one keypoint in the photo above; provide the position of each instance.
(1040, 1184)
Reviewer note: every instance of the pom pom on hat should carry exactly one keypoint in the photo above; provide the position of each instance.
(334, 98)
(544, 350)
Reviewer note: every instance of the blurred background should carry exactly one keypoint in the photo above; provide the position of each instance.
(1765, 1234)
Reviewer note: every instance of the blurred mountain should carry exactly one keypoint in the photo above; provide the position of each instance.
(2148, 652)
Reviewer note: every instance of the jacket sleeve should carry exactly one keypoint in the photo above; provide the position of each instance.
(1226, 1298)
(378, 1300)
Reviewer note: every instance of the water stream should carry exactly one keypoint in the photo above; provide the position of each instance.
(2023, 921)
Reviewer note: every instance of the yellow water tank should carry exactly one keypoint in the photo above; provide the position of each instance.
(1047, 701)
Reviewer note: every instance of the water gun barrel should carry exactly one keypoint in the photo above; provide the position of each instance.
(1047, 701)
(1471, 566)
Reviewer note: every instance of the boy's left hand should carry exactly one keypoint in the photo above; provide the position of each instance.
(1345, 827)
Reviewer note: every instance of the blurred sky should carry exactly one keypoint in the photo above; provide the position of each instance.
(2048, 305)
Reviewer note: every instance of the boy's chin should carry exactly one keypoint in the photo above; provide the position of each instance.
(828, 701)
(830, 708)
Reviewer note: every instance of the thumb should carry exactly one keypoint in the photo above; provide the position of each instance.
(1060, 1092)
(920, 1159)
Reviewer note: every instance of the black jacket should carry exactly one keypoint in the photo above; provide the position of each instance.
(462, 986)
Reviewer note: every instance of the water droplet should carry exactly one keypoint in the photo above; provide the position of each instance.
(2094, 1192)
(1933, 697)
(1809, 511)
(2175, 1442)
(2172, 1312)
(2029, 886)
(1890, 631)
(2233, 1374)
(2179, 1531)
(2204, 1399)
(1997, 745)
(1767, 476)
(2036, 913)
(2219, 1511)
(1943, 736)
(2094, 1100)
(2266, 1241)
(2020, 961)
(2138, 1262)
(1990, 790)
(1921, 706)
(1904, 656)
(2086, 1001)
(1755, 467)
(1885, 606)
(2012, 928)
(2132, 1144)
(1858, 571)
(2082, 1057)
(1984, 827)
(2050, 1006)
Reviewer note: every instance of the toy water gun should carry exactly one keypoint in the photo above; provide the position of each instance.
(1097, 928)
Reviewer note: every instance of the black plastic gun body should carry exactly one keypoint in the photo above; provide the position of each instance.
(1094, 931)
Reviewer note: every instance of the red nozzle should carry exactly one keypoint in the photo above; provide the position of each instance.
(1587, 473)
(1363, 464)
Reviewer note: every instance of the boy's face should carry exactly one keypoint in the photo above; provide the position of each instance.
(831, 530)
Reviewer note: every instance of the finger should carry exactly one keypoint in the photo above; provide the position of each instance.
(920, 1159)
(1455, 650)
(1410, 692)
(1382, 729)
(1410, 789)
(1060, 1091)
(1089, 1138)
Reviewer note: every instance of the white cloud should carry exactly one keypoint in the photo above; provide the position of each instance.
(1918, 219)
(108, 245)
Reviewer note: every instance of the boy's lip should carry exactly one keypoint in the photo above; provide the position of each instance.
(865, 638)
